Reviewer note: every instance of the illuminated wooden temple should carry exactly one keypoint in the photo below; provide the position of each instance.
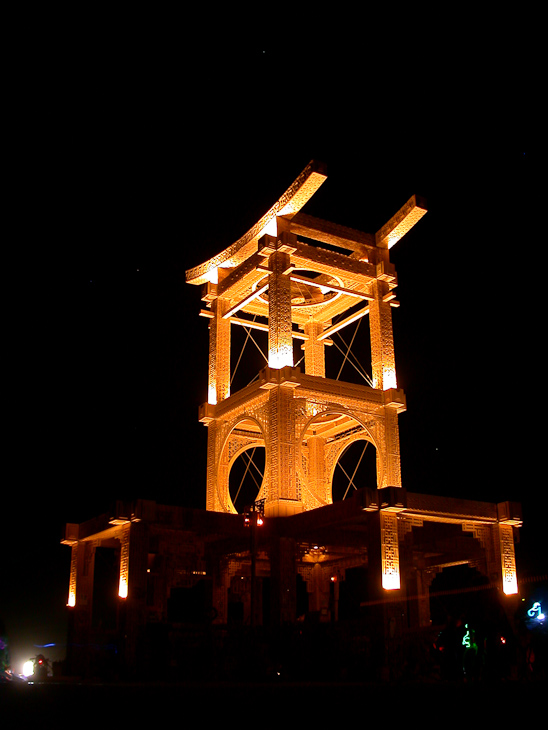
(301, 279)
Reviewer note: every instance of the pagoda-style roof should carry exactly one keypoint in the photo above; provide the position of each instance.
(333, 266)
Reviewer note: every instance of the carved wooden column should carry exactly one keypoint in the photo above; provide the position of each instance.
(314, 349)
(392, 448)
(283, 575)
(219, 353)
(383, 363)
(508, 559)
(280, 338)
(390, 554)
(281, 452)
(133, 574)
(317, 473)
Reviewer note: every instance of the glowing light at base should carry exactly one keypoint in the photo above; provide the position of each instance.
(279, 358)
(122, 588)
(510, 585)
(508, 559)
(71, 601)
(390, 551)
(391, 581)
(389, 379)
(28, 668)
(124, 561)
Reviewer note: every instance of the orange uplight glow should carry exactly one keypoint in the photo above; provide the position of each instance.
(271, 228)
(510, 584)
(389, 379)
(509, 574)
(213, 275)
(391, 581)
(71, 602)
(279, 358)
(122, 588)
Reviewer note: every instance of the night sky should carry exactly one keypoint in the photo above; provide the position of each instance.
(136, 162)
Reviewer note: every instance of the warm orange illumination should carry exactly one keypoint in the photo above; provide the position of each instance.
(508, 559)
(213, 275)
(73, 574)
(389, 379)
(391, 581)
(343, 323)
(271, 228)
(390, 551)
(124, 560)
(280, 358)
(510, 584)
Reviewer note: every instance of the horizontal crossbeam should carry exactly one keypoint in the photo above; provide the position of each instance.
(343, 323)
(331, 287)
(244, 301)
(260, 326)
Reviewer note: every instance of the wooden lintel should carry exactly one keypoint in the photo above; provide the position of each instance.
(332, 263)
(332, 287)
(244, 301)
(343, 323)
(332, 234)
(259, 326)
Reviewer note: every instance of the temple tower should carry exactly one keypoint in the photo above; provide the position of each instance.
(302, 278)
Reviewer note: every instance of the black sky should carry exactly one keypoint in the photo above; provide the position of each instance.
(138, 160)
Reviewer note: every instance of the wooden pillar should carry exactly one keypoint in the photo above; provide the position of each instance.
(219, 353)
(133, 589)
(314, 349)
(283, 578)
(283, 497)
(508, 559)
(383, 363)
(317, 476)
(81, 607)
(280, 338)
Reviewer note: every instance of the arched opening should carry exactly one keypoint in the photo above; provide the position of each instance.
(246, 477)
(338, 457)
(356, 468)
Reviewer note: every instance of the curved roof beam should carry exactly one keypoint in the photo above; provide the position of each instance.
(299, 193)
